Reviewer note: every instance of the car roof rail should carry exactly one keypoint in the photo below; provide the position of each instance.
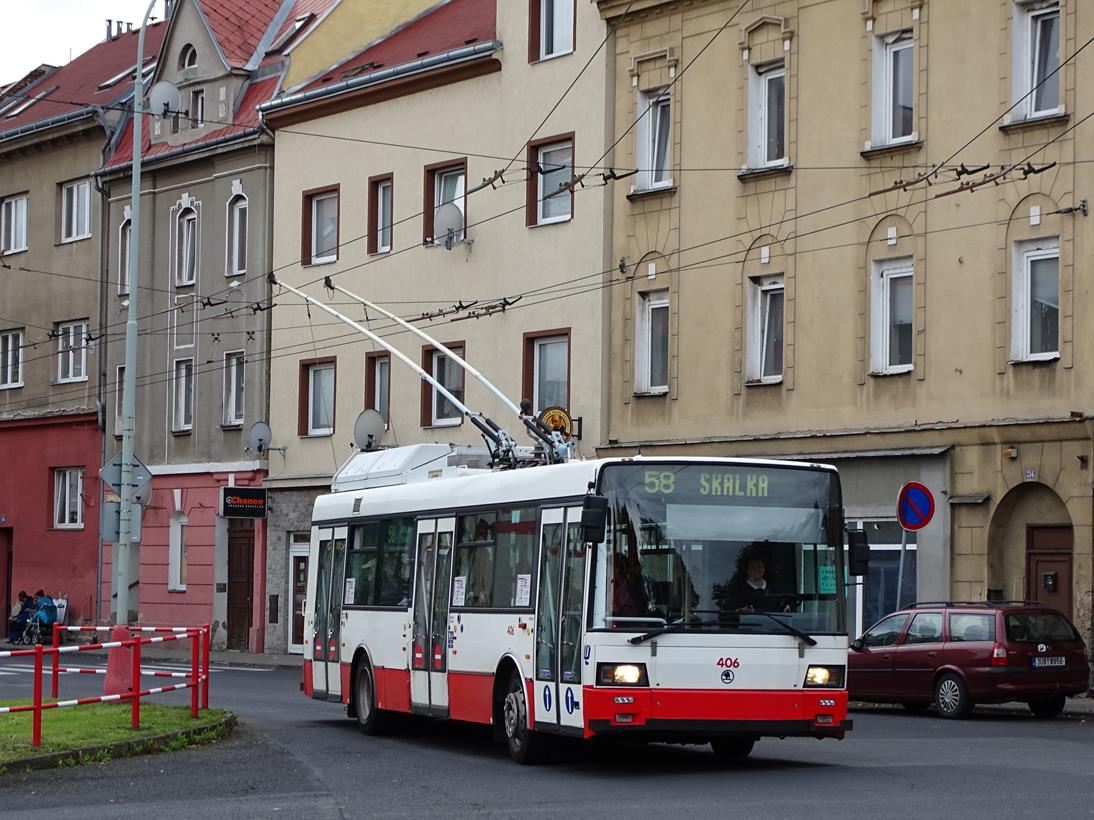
(1017, 603)
(947, 604)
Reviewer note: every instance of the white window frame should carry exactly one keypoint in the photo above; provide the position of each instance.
(182, 396)
(856, 592)
(125, 236)
(62, 497)
(72, 357)
(1026, 252)
(119, 399)
(885, 271)
(189, 57)
(234, 361)
(647, 303)
(759, 77)
(1024, 64)
(184, 264)
(381, 386)
(460, 201)
(11, 358)
(312, 370)
(315, 200)
(238, 208)
(537, 343)
(18, 206)
(197, 107)
(81, 197)
(760, 290)
(541, 189)
(176, 552)
(652, 106)
(885, 47)
(384, 216)
(562, 24)
(435, 396)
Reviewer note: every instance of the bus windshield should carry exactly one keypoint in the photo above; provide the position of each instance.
(720, 547)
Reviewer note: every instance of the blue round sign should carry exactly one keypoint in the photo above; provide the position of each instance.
(569, 701)
(914, 506)
(546, 698)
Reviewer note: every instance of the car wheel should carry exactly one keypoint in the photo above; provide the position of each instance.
(525, 746)
(1049, 707)
(951, 697)
(916, 707)
(370, 719)
(732, 748)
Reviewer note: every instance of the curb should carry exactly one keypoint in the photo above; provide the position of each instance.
(1011, 708)
(153, 744)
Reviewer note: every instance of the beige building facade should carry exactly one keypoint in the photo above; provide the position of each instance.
(817, 264)
(366, 155)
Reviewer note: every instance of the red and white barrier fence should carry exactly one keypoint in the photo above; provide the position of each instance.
(198, 676)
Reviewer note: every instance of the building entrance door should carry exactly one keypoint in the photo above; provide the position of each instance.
(6, 595)
(241, 540)
(298, 589)
(1048, 567)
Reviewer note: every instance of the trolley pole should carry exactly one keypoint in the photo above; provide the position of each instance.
(129, 388)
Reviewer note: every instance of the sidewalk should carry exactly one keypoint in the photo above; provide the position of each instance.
(1081, 706)
(179, 652)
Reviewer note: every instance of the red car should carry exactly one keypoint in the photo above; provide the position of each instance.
(957, 654)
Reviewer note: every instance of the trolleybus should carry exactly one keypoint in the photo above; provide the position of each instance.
(696, 600)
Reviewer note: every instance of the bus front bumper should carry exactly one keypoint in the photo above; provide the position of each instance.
(698, 715)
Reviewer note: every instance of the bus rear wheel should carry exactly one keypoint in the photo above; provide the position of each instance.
(370, 719)
(732, 748)
(525, 746)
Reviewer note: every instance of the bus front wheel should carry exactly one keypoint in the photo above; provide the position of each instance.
(525, 746)
(370, 719)
(732, 748)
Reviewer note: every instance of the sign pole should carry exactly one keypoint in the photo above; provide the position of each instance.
(914, 511)
(900, 571)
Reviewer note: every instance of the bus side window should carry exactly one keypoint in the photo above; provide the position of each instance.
(514, 559)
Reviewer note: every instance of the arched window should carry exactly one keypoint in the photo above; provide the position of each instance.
(125, 232)
(186, 247)
(237, 236)
(188, 57)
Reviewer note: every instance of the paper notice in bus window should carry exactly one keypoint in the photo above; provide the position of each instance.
(459, 590)
(524, 590)
(826, 580)
(351, 589)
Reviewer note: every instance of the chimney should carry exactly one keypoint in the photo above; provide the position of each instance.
(109, 29)
(128, 27)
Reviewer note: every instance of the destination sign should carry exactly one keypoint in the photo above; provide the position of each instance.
(720, 484)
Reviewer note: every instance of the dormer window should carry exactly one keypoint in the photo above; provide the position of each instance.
(188, 58)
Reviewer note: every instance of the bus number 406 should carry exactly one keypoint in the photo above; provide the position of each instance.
(729, 663)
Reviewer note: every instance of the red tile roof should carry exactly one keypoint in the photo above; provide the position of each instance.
(239, 25)
(77, 84)
(456, 23)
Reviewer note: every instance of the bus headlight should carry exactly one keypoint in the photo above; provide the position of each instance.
(826, 677)
(621, 674)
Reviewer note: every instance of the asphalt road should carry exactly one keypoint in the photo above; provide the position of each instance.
(294, 757)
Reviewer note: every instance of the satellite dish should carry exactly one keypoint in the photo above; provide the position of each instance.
(368, 430)
(448, 225)
(259, 437)
(163, 99)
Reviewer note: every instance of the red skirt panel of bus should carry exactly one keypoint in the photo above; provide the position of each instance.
(346, 671)
(393, 689)
(471, 696)
(309, 690)
(688, 705)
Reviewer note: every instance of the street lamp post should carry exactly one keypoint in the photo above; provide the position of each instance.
(129, 388)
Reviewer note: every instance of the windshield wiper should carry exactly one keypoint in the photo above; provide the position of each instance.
(676, 626)
(805, 637)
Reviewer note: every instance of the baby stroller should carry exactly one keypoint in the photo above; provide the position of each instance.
(36, 632)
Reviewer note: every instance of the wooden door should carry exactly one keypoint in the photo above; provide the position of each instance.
(240, 581)
(1048, 567)
(299, 591)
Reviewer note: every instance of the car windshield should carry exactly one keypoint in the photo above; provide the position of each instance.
(1035, 627)
(720, 546)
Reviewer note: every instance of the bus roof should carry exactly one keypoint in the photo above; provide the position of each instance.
(478, 489)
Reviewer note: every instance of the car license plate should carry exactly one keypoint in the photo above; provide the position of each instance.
(1039, 662)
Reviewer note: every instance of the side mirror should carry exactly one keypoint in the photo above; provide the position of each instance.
(858, 553)
(857, 644)
(594, 518)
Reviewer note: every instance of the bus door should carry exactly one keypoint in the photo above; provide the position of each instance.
(429, 649)
(560, 620)
(328, 611)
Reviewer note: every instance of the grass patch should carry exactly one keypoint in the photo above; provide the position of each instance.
(99, 731)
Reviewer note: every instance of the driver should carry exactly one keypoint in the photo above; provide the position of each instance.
(753, 593)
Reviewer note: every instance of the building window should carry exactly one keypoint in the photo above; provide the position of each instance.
(316, 410)
(876, 596)
(550, 164)
(444, 184)
(237, 236)
(894, 89)
(547, 369)
(380, 219)
(119, 400)
(76, 211)
(71, 351)
(125, 235)
(378, 384)
(68, 505)
(233, 388)
(186, 248)
(765, 330)
(320, 230)
(188, 57)
(437, 410)
(1037, 58)
(13, 224)
(767, 115)
(551, 28)
(1035, 309)
(891, 314)
(176, 553)
(652, 343)
(11, 355)
(183, 399)
(197, 108)
(654, 133)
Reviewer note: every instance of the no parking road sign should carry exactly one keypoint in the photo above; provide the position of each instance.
(914, 506)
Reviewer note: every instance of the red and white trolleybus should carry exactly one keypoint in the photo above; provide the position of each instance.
(673, 599)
